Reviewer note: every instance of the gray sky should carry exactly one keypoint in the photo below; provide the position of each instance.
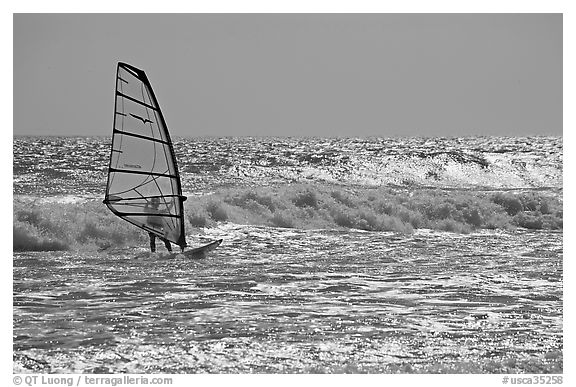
(295, 74)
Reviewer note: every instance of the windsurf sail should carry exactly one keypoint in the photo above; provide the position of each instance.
(143, 185)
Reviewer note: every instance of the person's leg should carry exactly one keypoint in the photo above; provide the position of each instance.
(152, 242)
(168, 245)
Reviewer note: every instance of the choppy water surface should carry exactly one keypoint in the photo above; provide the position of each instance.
(278, 300)
(78, 165)
(297, 286)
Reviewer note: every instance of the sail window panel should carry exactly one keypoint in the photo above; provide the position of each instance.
(141, 155)
(135, 204)
(132, 117)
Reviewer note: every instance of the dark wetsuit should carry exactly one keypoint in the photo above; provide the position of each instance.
(153, 242)
(156, 222)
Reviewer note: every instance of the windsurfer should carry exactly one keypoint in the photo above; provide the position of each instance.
(156, 222)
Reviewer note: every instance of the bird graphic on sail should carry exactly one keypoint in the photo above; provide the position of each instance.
(144, 120)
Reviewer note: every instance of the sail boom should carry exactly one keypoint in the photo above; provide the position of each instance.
(116, 199)
(121, 213)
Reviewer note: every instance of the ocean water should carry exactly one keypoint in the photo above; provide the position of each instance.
(340, 255)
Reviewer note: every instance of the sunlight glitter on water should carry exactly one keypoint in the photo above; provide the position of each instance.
(337, 302)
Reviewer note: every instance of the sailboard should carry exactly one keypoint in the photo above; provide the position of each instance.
(143, 184)
(197, 252)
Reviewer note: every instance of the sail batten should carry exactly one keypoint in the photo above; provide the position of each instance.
(143, 185)
(136, 100)
(143, 173)
(141, 136)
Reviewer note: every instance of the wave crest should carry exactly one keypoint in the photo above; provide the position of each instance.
(41, 225)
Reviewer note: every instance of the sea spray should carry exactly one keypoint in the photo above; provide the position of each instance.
(86, 225)
(376, 209)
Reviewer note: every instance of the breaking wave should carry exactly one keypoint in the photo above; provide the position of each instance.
(46, 225)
